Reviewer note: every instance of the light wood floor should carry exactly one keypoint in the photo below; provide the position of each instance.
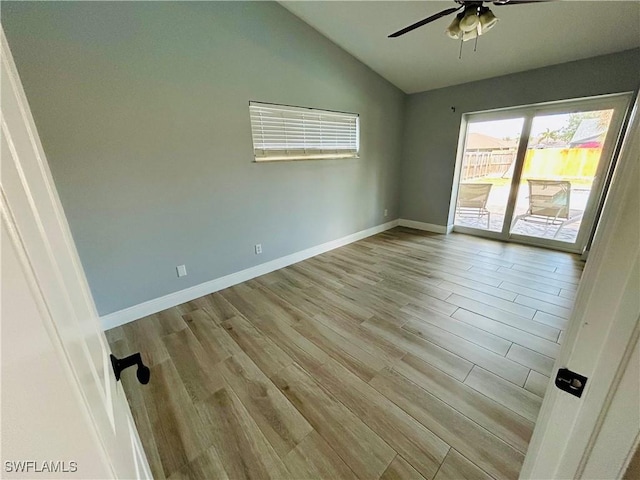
(404, 355)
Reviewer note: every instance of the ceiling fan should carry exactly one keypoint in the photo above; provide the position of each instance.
(475, 19)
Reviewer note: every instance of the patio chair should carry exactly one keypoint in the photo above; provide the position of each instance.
(472, 200)
(548, 203)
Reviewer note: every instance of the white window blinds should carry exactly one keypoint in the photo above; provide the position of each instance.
(289, 133)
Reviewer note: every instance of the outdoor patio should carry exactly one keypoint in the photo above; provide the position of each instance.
(496, 205)
(555, 184)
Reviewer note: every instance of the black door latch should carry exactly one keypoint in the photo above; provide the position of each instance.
(570, 382)
(143, 373)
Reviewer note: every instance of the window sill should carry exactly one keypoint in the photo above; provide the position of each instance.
(304, 157)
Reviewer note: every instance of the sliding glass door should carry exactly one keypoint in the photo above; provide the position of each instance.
(535, 175)
(487, 173)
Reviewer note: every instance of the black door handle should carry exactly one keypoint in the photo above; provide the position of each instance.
(143, 373)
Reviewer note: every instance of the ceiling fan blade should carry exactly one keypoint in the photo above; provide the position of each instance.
(430, 19)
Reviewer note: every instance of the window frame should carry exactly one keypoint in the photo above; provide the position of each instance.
(619, 102)
(343, 141)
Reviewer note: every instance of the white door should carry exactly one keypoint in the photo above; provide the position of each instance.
(593, 436)
(62, 410)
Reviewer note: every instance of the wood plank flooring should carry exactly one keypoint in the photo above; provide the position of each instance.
(406, 355)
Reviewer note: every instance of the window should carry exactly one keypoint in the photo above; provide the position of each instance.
(281, 132)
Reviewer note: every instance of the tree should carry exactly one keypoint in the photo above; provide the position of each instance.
(566, 133)
(548, 136)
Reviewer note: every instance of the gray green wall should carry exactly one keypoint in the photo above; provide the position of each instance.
(142, 108)
(431, 128)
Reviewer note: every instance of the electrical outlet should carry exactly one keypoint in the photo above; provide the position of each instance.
(258, 248)
(386, 212)
(182, 270)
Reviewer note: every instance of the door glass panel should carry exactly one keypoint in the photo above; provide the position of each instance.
(560, 165)
(487, 169)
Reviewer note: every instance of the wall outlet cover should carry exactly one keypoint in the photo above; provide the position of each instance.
(182, 270)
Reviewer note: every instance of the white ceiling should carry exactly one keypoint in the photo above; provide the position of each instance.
(527, 36)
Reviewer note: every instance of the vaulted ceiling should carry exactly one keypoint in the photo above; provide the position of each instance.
(527, 36)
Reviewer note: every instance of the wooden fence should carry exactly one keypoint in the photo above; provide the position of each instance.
(562, 163)
(483, 164)
(539, 163)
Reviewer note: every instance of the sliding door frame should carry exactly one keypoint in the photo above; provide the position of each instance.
(619, 103)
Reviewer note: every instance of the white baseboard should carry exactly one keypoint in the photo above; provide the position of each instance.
(427, 227)
(150, 307)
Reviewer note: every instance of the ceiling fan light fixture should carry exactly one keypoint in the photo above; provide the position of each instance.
(470, 35)
(453, 30)
(487, 20)
(469, 21)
